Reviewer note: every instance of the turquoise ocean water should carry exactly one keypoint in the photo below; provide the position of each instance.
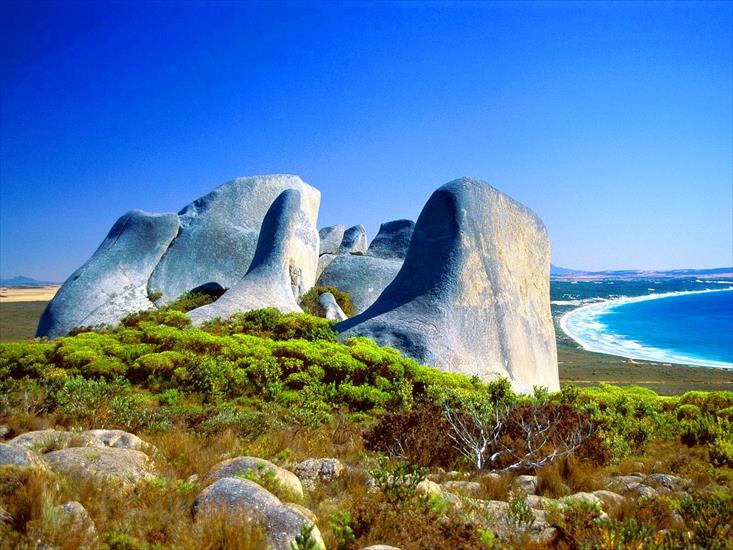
(685, 327)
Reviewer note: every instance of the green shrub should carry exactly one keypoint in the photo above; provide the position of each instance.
(309, 301)
(704, 429)
(721, 451)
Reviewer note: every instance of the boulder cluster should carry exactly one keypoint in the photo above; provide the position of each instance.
(464, 289)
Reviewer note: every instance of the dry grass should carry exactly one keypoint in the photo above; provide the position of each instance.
(567, 476)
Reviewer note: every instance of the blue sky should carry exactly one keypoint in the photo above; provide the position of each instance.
(612, 121)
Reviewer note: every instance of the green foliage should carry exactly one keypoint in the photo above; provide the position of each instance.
(309, 301)
(721, 451)
(704, 429)
(342, 531)
(520, 514)
(397, 480)
(709, 520)
(304, 540)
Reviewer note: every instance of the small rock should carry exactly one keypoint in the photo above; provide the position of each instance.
(20, 457)
(673, 483)
(4, 430)
(108, 463)
(527, 484)
(330, 305)
(581, 497)
(313, 471)
(280, 523)
(427, 488)
(258, 467)
(492, 476)
(78, 522)
(464, 488)
(609, 499)
(118, 439)
(541, 503)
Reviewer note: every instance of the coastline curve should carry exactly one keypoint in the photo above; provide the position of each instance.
(584, 327)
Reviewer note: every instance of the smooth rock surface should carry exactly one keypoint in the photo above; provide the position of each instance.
(118, 439)
(113, 282)
(330, 306)
(286, 258)
(78, 523)
(315, 471)
(363, 277)
(125, 465)
(52, 440)
(527, 484)
(609, 499)
(259, 467)
(20, 457)
(331, 238)
(280, 523)
(472, 295)
(393, 240)
(354, 241)
(219, 234)
(464, 488)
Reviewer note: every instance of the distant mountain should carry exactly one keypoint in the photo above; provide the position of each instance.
(564, 273)
(20, 280)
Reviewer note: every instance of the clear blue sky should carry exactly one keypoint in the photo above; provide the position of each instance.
(612, 121)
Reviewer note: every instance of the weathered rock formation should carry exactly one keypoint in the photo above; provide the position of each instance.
(149, 258)
(219, 234)
(287, 255)
(330, 306)
(364, 277)
(473, 293)
(354, 241)
(114, 281)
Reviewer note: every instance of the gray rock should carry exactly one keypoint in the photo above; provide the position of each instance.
(527, 484)
(671, 482)
(354, 241)
(43, 441)
(463, 488)
(286, 251)
(4, 430)
(20, 457)
(118, 439)
(77, 524)
(280, 523)
(331, 307)
(259, 468)
(331, 238)
(113, 282)
(315, 471)
(428, 488)
(323, 262)
(363, 277)
(219, 234)
(392, 241)
(473, 293)
(622, 483)
(590, 498)
(121, 465)
(609, 499)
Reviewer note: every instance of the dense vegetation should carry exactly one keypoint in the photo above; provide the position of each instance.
(281, 386)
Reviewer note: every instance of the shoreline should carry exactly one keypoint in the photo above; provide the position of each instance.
(630, 349)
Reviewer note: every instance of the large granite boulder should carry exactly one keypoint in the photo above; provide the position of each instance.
(283, 267)
(257, 468)
(243, 498)
(393, 240)
(103, 464)
(11, 455)
(473, 293)
(113, 282)
(363, 277)
(354, 241)
(331, 238)
(219, 234)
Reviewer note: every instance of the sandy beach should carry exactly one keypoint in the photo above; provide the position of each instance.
(28, 294)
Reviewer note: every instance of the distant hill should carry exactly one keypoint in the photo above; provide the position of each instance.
(23, 281)
(565, 273)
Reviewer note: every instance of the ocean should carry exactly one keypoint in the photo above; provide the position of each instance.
(685, 322)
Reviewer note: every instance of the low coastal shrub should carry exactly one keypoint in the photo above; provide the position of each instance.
(309, 301)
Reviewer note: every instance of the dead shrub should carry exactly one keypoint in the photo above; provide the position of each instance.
(420, 436)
